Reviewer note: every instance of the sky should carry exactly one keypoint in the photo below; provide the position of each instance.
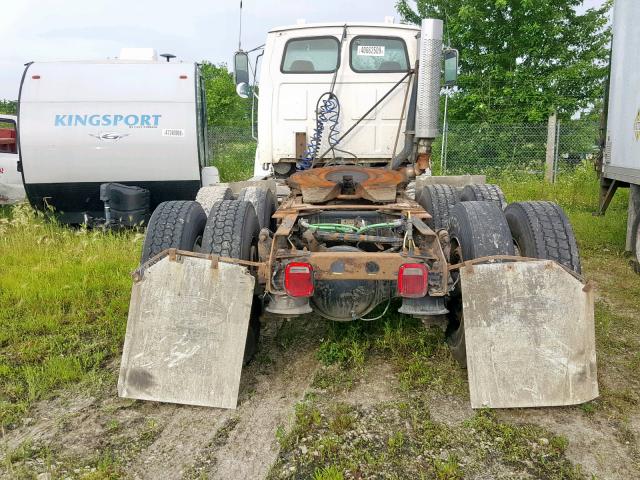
(194, 30)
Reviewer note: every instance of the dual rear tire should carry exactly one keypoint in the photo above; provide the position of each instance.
(479, 229)
(476, 229)
(439, 200)
(230, 230)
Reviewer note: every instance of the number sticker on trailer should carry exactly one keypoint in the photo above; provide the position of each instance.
(172, 132)
(371, 50)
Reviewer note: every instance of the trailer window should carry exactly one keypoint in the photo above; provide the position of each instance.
(378, 54)
(311, 55)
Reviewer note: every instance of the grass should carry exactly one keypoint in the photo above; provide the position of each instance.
(424, 367)
(64, 296)
(401, 440)
(234, 161)
(420, 355)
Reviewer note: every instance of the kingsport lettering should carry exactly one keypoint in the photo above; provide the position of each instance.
(107, 120)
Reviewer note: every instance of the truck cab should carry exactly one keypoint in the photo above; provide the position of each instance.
(359, 63)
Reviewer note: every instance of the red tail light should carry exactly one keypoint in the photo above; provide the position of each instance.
(412, 280)
(298, 279)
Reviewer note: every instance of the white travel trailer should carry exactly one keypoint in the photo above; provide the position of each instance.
(135, 122)
(11, 189)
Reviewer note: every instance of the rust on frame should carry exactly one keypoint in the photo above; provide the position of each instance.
(347, 182)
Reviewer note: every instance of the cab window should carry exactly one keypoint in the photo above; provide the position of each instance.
(378, 54)
(311, 55)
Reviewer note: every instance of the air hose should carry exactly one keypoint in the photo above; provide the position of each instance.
(327, 115)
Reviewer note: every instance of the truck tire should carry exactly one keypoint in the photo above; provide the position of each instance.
(483, 192)
(175, 224)
(542, 230)
(232, 231)
(476, 229)
(438, 200)
(263, 201)
(207, 196)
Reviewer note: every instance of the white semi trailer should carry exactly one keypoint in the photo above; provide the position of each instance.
(621, 156)
(140, 123)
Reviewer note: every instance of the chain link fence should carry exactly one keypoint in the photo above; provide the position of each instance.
(497, 149)
(464, 148)
(232, 150)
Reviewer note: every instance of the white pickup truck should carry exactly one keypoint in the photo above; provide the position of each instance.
(11, 188)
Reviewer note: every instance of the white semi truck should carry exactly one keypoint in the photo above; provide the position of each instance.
(347, 114)
(621, 156)
(138, 123)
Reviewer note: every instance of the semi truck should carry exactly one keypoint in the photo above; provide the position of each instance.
(620, 165)
(334, 224)
(135, 123)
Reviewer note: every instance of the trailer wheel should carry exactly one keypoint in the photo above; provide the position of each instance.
(438, 200)
(476, 229)
(207, 196)
(263, 201)
(175, 224)
(232, 231)
(483, 192)
(542, 230)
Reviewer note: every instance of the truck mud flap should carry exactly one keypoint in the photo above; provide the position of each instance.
(529, 332)
(186, 332)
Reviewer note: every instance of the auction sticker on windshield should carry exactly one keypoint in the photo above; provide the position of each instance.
(371, 50)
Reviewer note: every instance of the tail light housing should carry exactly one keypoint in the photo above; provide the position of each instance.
(413, 280)
(298, 279)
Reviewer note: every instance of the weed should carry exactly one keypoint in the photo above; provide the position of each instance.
(395, 441)
(333, 378)
(281, 436)
(343, 420)
(328, 473)
(448, 469)
(307, 415)
(112, 425)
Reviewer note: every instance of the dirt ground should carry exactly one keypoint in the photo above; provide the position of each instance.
(103, 436)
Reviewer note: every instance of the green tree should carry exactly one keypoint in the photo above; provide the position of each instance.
(8, 107)
(224, 106)
(521, 59)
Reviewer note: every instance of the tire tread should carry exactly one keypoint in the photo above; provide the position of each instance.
(549, 227)
(167, 226)
(484, 192)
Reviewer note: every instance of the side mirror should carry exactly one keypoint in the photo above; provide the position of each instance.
(241, 73)
(450, 67)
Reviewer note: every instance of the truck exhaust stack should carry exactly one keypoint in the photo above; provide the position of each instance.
(428, 101)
